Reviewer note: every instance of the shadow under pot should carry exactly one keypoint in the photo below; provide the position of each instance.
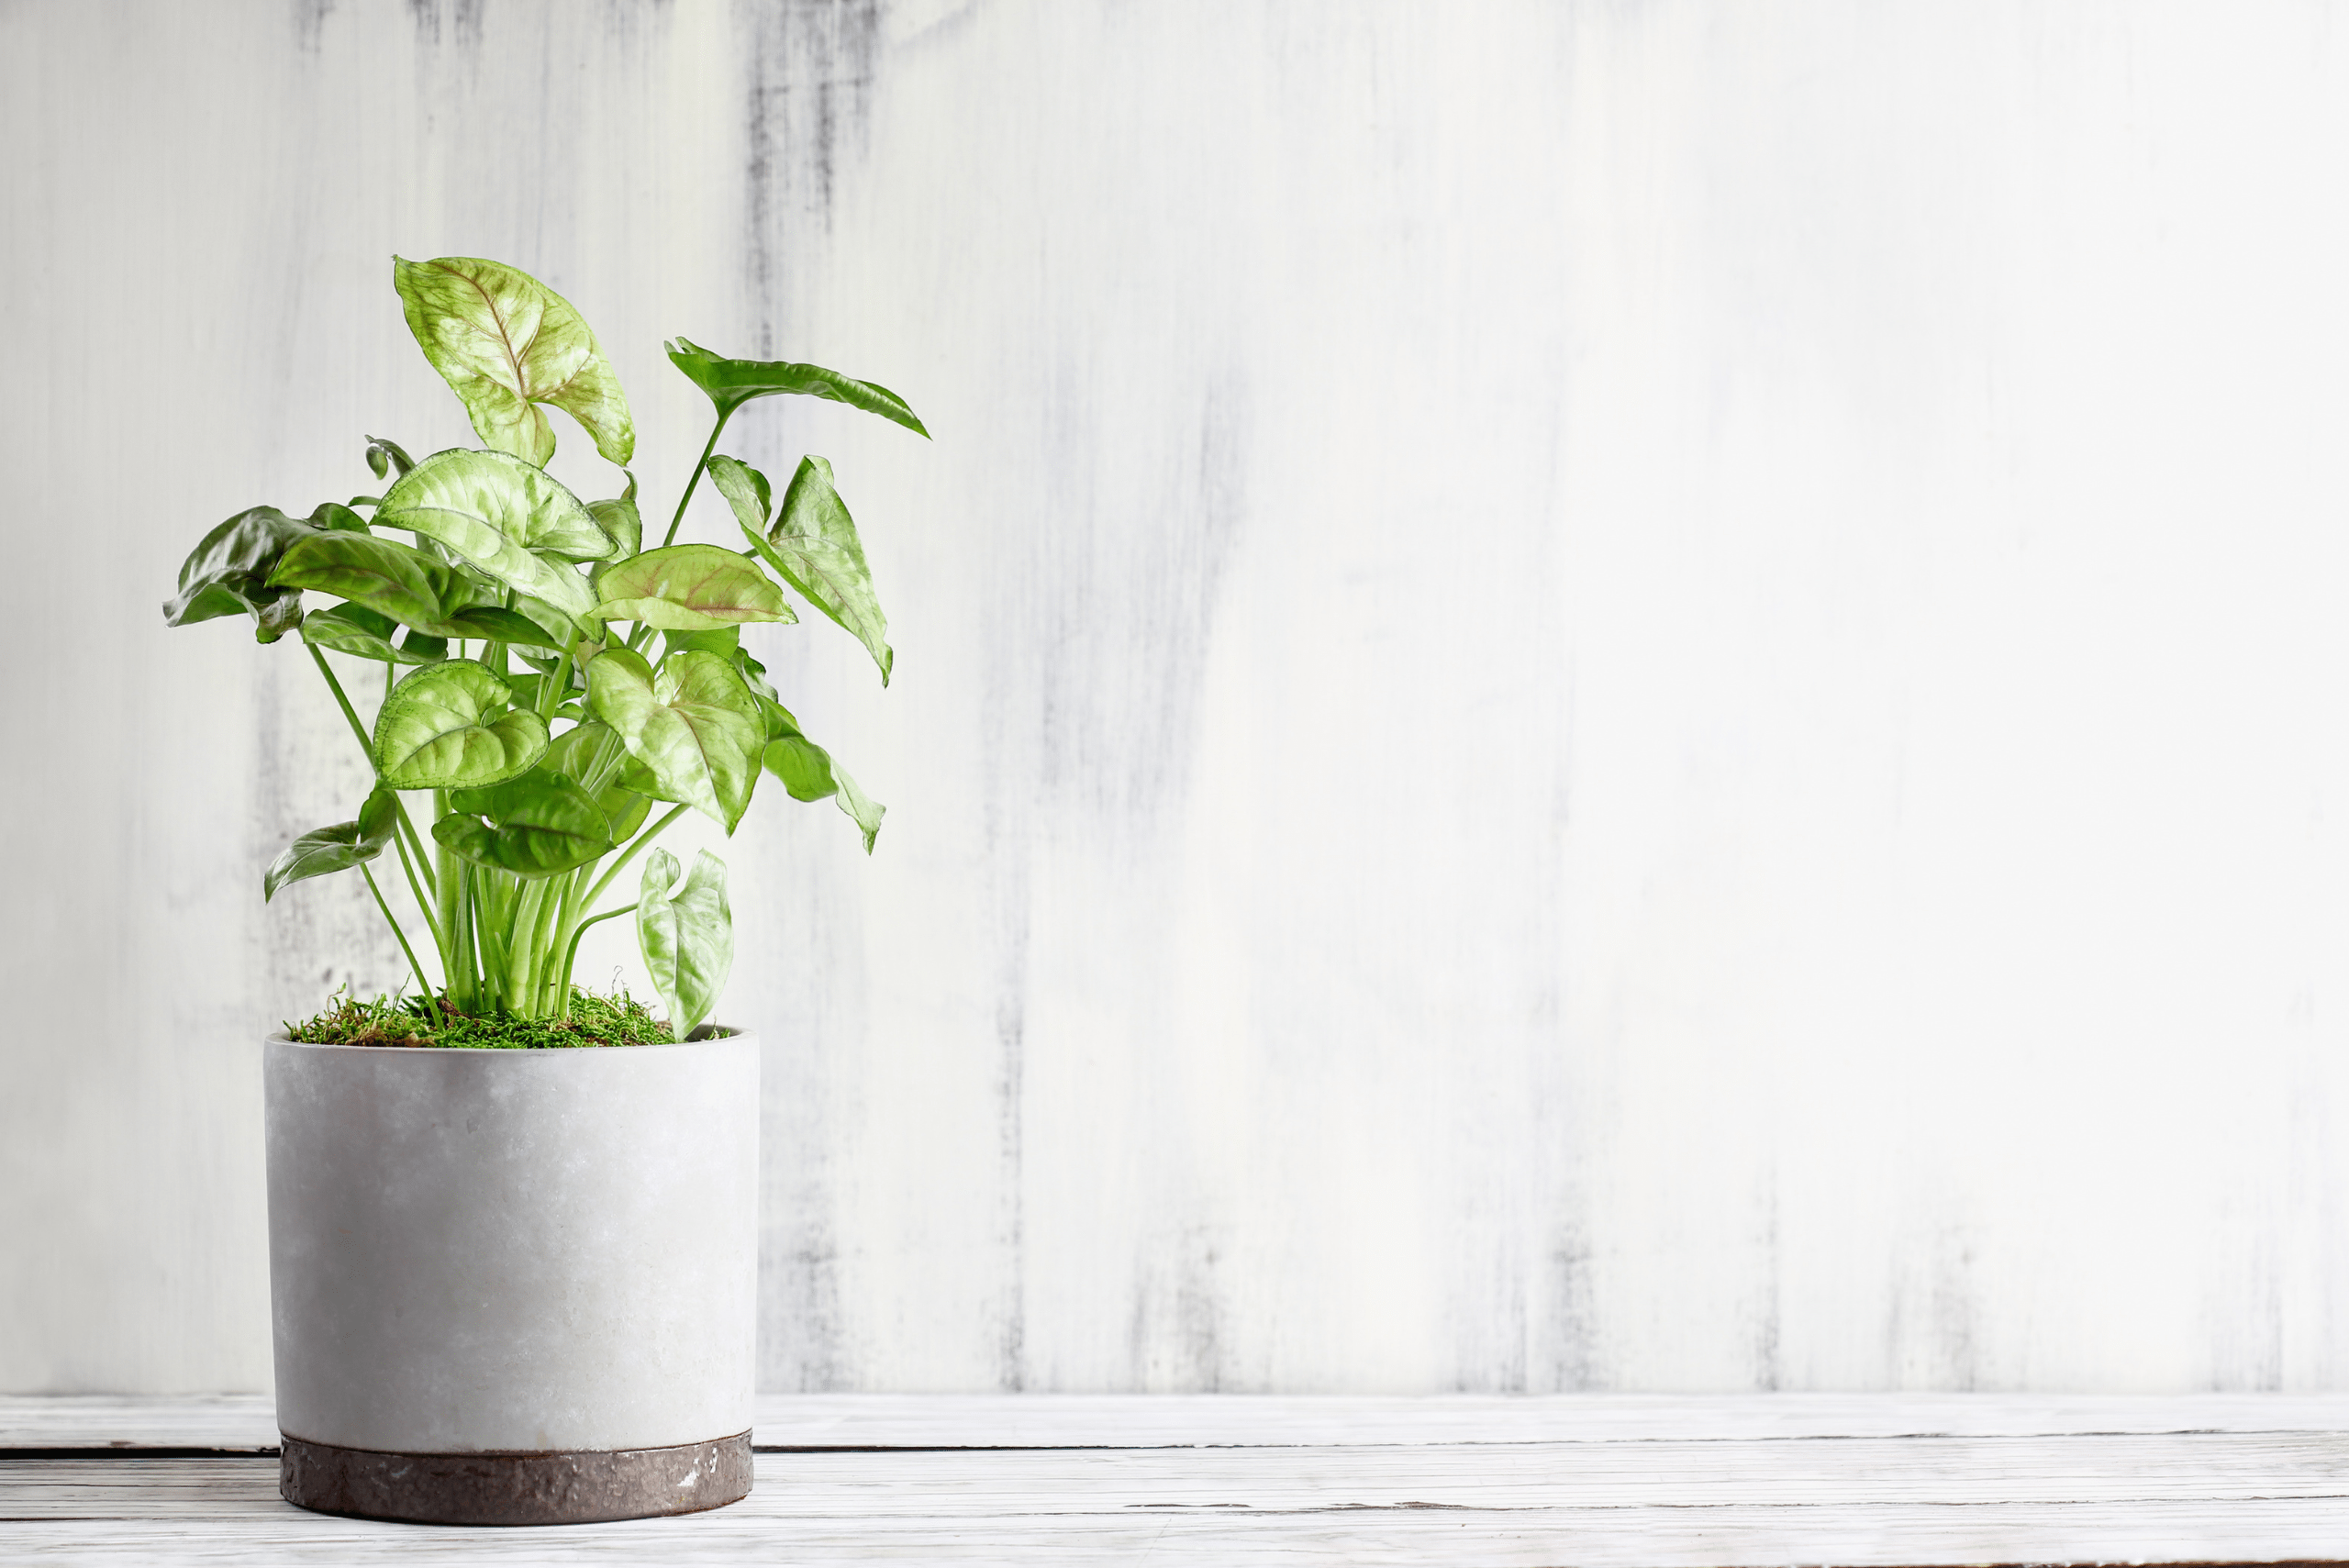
(513, 1288)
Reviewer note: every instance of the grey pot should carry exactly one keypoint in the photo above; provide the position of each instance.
(514, 1286)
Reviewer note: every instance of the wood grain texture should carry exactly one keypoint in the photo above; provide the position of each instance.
(812, 1421)
(1588, 697)
(1462, 1506)
(1587, 1479)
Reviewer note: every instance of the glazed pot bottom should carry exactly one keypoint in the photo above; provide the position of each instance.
(575, 1487)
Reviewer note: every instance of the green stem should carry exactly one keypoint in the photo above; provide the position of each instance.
(422, 984)
(367, 748)
(414, 839)
(431, 916)
(566, 925)
(558, 685)
(723, 414)
(570, 956)
(366, 745)
(628, 854)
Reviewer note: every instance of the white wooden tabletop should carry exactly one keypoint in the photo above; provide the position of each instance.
(1649, 1480)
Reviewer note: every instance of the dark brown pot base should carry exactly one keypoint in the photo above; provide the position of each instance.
(564, 1488)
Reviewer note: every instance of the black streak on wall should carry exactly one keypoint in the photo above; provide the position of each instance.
(811, 77)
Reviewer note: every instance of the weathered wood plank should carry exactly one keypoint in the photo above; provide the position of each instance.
(1174, 1507)
(1846, 1473)
(1147, 1420)
(857, 1420)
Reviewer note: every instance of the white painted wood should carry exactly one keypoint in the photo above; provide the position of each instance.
(1171, 1420)
(1588, 697)
(222, 1421)
(1603, 1480)
(1462, 1505)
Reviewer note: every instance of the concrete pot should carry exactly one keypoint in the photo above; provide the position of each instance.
(514, 1286)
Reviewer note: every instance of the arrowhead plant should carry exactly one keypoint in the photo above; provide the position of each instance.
(547, 681)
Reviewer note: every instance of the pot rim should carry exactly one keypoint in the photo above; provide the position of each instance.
(279, 1036)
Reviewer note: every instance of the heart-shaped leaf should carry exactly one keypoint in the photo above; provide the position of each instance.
(687, 935)
(357, 631)
(588, 752)
(504, 517)
(447, 726)
(690, 587)
(539, 825)
(506, 342)
(384, 575)
(808, 771)
(813, 546)
(338, 848)
(694, 728)
(732, 383)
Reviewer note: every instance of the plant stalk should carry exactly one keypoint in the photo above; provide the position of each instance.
(630, 853)
(423, 984)
(711, 445)
(570, 956)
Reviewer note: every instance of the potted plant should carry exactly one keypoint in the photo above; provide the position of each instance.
(517, 1285)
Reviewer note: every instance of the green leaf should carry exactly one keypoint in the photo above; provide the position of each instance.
(539, 825)
(357, 631)
(504, 517)
(722, 640)
(380, 574)
(813, 546)
(808, 771)
(690, 587)
(228, 571)
(804, 768)
(732, 383)
(754, 675)
(745, 489)
(492, 624)
(588, 751)
(620, 521)
(506, 342)
(694, 728)
(338, 848)
(382, 456)
(443, 727)
(687, 935)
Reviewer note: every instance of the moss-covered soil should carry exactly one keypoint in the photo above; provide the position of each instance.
(389, 1020)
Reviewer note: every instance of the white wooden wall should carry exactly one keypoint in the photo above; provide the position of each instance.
(1589, 696)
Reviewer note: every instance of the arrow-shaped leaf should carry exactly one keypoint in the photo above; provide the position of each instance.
(506, 342)
(504, 517)
(813, 546)
(448, 726)
(687, 935)
(808, 771)
(357, 631)
(620, 522)
(383, 576)
(588, 752)
(690, 587)
(540, 824)
(694, 728)
(732, 383)
(228, 571)
(338, 848)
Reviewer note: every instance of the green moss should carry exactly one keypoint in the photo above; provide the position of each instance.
(393, 1020)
